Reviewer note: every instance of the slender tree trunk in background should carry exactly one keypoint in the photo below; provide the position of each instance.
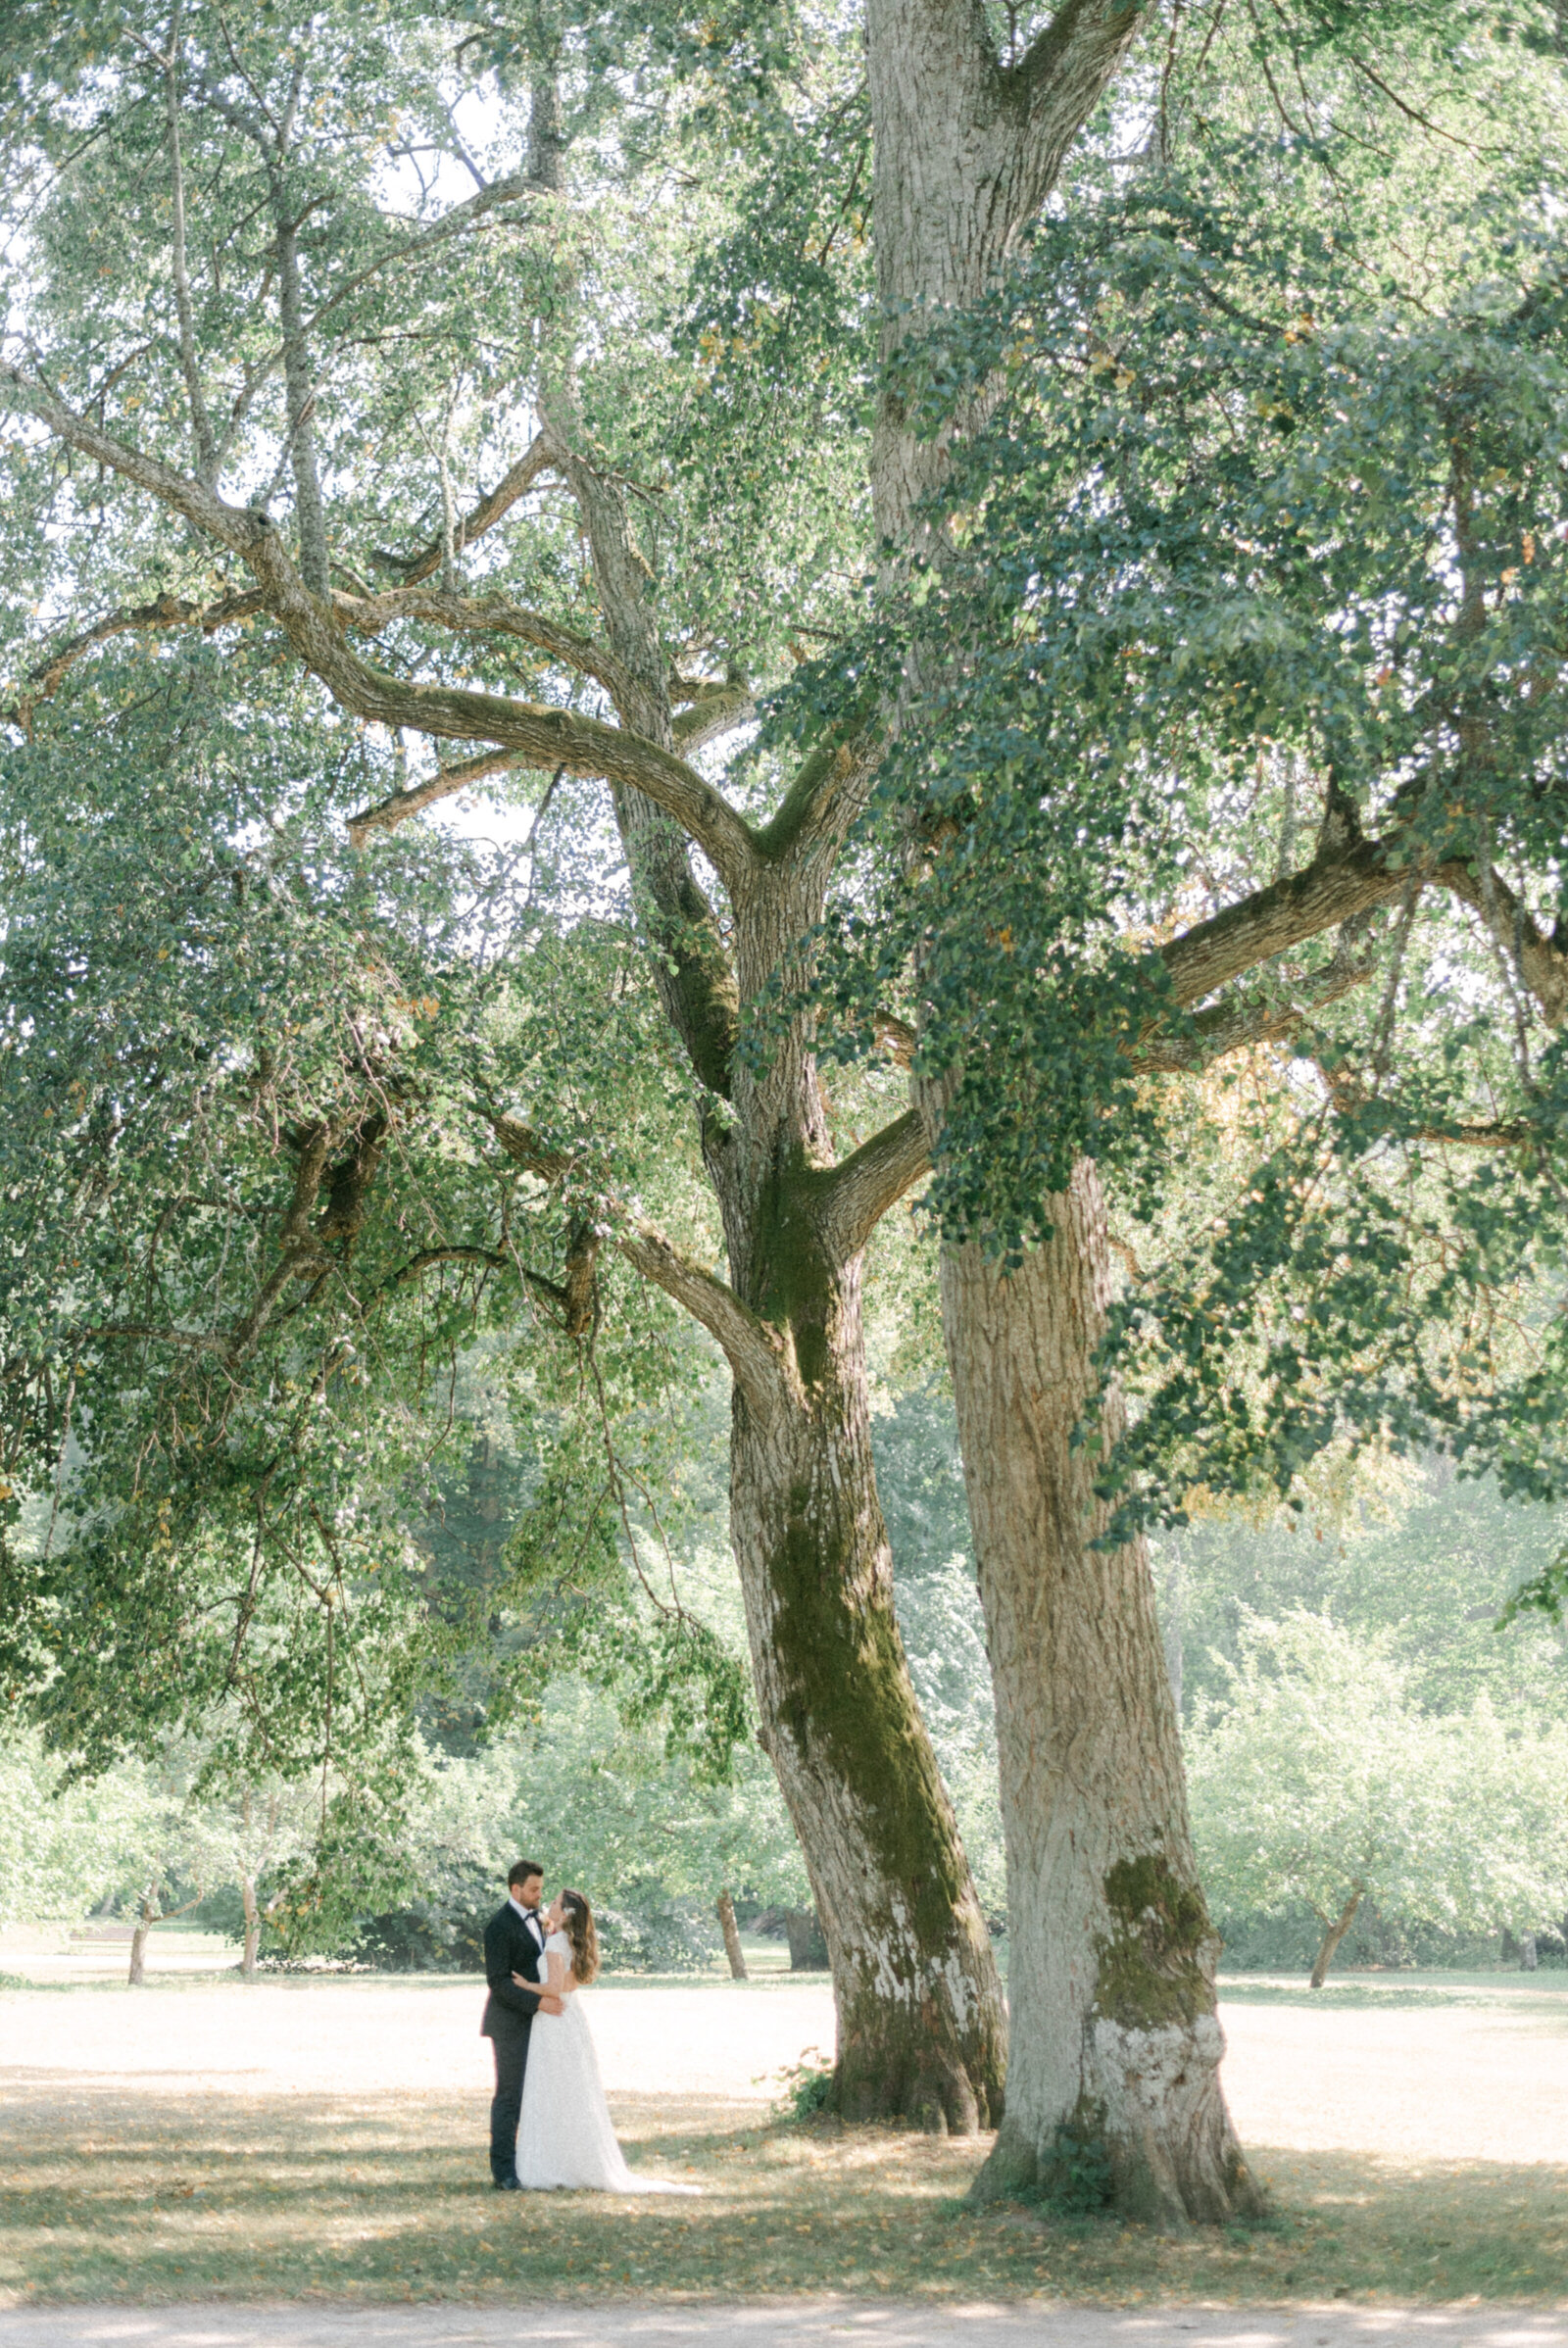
(1333, 1937)
(1112, 2028)
(1529, 1960)
(1111, 1972)
(146, 1917)
(724, 1908)
(253, 1926)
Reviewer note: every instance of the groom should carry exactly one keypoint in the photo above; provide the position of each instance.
(514, 1942)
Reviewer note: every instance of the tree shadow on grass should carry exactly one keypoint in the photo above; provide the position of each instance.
(110, 2196)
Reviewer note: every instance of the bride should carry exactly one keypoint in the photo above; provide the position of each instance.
(564, 2137)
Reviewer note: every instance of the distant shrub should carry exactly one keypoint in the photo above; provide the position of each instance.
(441, 1932)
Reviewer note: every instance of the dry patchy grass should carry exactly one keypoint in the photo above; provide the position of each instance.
(383, 2197)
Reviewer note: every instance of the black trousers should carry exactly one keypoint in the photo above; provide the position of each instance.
(512, 2059)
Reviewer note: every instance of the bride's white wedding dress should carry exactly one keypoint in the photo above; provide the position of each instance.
(564, 2138)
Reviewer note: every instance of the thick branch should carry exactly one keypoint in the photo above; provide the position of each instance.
(196, 1341)
(896, 1038)
(852, 1198)
(752, 1350)
(484, 616)
(1059, 80)
(692, 969)
(712, 710)
(529, 1150)
(300, 1246)
(387, 814)
(429, 1257)
(825, 795)
(545, 737)
(169, 611)
(1332, 889)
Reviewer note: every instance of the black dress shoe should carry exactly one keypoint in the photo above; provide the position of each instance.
(508, 2184)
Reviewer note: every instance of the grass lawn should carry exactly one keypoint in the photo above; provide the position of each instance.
(386, 2200)
(170, 2145)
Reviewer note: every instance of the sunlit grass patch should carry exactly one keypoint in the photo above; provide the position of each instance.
(1544, 1992)
(161, 2197)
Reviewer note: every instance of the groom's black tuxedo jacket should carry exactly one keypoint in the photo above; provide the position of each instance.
(510, 1946)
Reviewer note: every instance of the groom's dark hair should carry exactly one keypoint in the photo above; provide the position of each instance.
(524, 1869)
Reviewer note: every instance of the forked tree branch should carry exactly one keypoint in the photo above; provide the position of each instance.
(365, 615)
(1334, 888)
(484, 616)
(851, 1198)
(1541, 961)
(1232, 1024)
(753, 1352)
(825, 795)
(692, 965)
(544, 737)
(1059, 80)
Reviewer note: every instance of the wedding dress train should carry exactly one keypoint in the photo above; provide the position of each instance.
(564, 2138)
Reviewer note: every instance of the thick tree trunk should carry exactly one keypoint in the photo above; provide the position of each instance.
(803, 1929)
(253, 1926)
(1114, 2030)
(1332, 1937)
(1111, 1971)
(724, 1909)
(920, 2019)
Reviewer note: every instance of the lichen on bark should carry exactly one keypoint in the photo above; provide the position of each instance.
(1151, 1972)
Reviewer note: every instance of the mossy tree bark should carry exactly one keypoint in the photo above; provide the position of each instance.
(919, 2011)
(1111, 1971)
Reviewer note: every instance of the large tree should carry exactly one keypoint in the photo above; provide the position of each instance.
(1113, 1991)
(214, 225)
(1224, 526)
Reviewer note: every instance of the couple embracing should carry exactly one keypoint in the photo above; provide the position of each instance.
(549, 2121)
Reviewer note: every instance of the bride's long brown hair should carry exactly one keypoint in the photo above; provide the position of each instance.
(578, 1920)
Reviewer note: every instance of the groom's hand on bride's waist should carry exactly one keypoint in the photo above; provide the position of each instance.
(548, 2003)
